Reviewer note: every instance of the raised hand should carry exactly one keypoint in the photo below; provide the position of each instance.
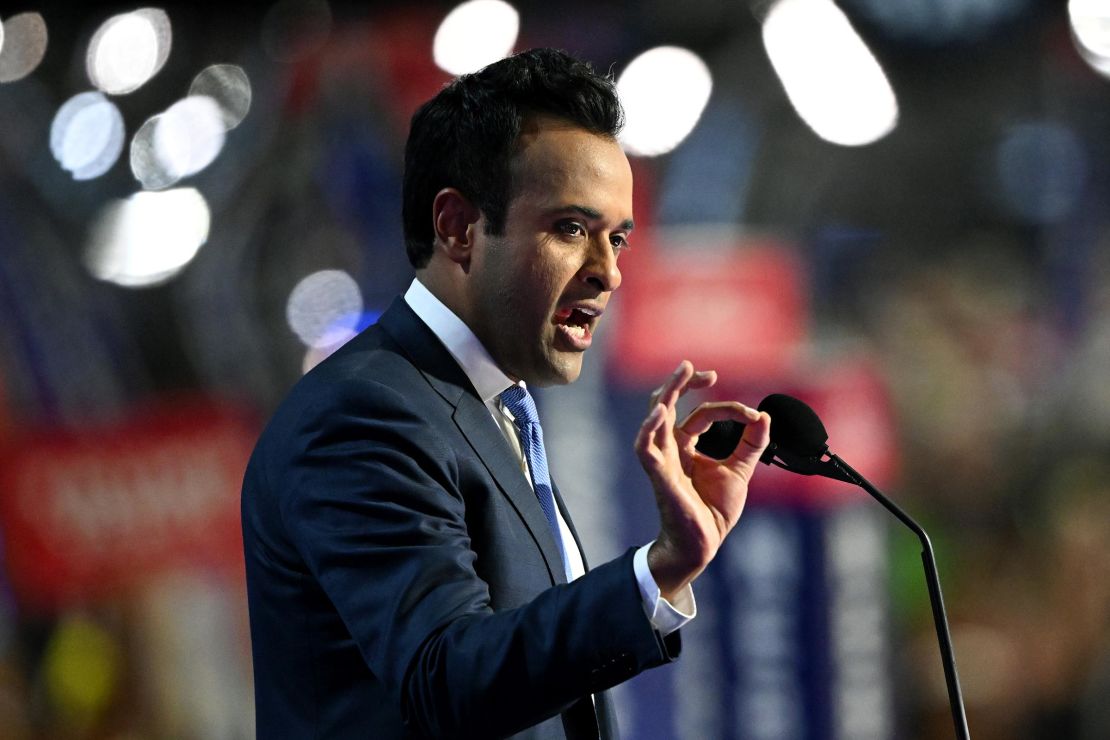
(699, 498)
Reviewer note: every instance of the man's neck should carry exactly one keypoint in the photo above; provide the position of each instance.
(461, 342)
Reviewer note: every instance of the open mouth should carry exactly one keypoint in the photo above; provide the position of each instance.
(576, 324)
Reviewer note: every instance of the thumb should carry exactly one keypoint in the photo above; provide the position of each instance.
(756, 437)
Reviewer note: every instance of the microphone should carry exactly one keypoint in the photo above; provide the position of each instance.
(799, 443)
(798, 437)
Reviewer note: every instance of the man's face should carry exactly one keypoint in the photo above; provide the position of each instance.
(536, 292)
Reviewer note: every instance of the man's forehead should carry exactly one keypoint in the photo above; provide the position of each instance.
(563, 160)
(550, 194)
(550, 135)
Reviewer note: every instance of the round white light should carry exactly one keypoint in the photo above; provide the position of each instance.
(229, 86)
(1090, 27)
(324, 308)
(22, 45)
(148, 238)
(189, 135)
(86, 136)
(128, 49)
(146, 165)
(831, 78)
(475, 34)
(664, 92)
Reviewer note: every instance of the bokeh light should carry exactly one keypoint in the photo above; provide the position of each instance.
(147, 167)
(475, 34)
(664, 91)
(178, 143)
(82, 668)
(229, 86)
(830, 76)
(148, 238)
(87, 135)
(324, 308)
(128, 49)
(23, 42)
(1090, 27)
(189, 135)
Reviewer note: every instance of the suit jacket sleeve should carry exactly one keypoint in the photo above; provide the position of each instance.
(372, 502)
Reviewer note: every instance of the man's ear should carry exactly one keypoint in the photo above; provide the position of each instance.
(454, 215)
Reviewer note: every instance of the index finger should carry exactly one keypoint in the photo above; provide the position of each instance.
(700, 419)
(684, 379)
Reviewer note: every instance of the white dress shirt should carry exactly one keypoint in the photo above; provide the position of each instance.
(489, 381)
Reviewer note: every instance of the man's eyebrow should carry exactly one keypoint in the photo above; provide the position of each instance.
(593, 213)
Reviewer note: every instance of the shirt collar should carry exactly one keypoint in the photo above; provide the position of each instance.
(484, 374)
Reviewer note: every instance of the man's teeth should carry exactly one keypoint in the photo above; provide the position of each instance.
(574, 330)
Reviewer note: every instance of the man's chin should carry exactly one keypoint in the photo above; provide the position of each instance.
(560, 370)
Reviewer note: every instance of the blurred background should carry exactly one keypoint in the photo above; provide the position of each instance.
(893, 209)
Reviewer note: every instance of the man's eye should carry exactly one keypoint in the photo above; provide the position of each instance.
(571, 228)
(620, 243)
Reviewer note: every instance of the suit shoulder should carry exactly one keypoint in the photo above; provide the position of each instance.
(370, 398)
(370, 369)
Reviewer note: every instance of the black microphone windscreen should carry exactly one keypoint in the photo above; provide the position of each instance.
(795, 427)
(720, 439)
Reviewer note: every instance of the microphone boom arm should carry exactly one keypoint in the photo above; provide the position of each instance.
(845, 472)
(799, 444)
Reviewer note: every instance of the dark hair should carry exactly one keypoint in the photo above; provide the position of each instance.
(465, 136)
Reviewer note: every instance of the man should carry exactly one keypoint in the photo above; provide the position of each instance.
(407, 557)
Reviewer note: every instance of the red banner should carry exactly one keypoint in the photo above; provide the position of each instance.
(86, 513)
(735, 306)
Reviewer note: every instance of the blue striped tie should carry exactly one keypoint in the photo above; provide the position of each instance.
(527, 419)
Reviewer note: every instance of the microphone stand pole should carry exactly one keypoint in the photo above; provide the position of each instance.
(940, 619)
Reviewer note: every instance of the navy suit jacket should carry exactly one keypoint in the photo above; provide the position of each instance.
(402, 579)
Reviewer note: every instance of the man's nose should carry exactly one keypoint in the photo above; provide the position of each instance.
(601, 269)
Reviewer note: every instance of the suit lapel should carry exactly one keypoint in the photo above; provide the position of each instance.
(474, 422)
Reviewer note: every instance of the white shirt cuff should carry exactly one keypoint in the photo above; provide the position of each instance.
(665, 617)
